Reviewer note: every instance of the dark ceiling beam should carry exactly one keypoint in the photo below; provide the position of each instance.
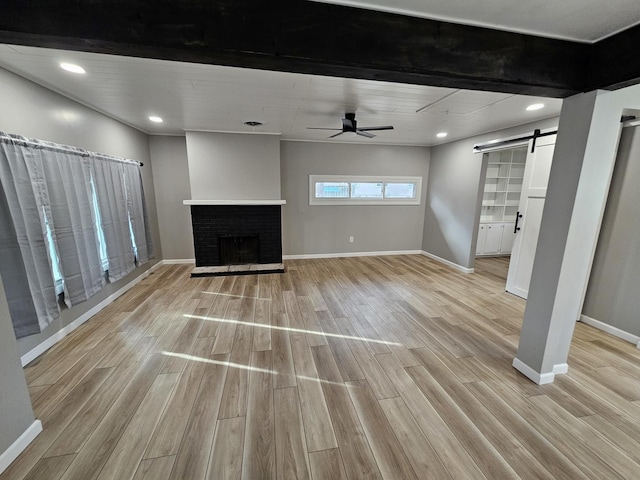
(614, 61)
(304, 37)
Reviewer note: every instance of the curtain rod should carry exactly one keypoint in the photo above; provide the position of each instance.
(56, 147)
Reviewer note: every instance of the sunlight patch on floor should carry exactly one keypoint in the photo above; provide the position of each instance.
(289, 329)
(193, 358)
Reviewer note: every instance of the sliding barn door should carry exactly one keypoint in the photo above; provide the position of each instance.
(527, 225)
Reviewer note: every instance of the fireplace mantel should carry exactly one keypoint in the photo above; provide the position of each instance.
(234, 202)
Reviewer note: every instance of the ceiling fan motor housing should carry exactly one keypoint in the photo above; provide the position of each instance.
(349, 123)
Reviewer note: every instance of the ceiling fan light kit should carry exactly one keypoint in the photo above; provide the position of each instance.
(350, 125)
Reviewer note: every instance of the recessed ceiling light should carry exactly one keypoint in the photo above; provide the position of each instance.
(72, 67)
(535, 106)
(155, 119)
(442, 134)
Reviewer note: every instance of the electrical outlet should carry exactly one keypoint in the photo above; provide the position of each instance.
(351, 239)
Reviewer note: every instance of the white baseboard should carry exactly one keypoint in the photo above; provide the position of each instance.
(460, 268)
(179, 261)
(350, 254)
(10, 454)
(616, 332)
(560, 368)
(38, 350)
(540, 378)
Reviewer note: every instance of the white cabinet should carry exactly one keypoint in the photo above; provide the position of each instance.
(508, 237)
(495, 239)
(482, 234)
(492, 238)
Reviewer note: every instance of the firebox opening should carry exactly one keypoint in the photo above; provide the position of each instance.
(239, 250)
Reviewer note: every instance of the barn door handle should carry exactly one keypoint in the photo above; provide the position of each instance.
(518, 217)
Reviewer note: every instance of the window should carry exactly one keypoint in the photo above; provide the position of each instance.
(58, 280)
(364, 190)
(102, 244)
(332, 190)
(399, 190)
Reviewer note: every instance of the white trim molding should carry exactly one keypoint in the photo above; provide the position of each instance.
(605, 327)
(39, 349)
(179, 261)
(540, 378)
(234, 202)
(444, 261)
(560, 368)
(10, 454)
(234, 132)
(308, 256)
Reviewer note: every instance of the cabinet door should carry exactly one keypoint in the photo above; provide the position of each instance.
(508, 238)
(492, 238)
(482, 233)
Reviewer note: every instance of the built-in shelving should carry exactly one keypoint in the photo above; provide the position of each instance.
(500, 200)
(503, 184)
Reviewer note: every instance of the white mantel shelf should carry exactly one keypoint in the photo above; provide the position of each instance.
(234, 202)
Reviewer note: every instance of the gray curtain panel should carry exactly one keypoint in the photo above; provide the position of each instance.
(16, 283)
(109, 177)
(138, 214)
(22, 180)
(58, 205)
(71, 215)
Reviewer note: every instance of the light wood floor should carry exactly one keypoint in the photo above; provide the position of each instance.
(380, 367)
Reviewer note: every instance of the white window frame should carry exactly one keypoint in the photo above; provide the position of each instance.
(313, 200)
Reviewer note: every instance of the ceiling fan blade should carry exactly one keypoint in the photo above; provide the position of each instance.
(322, 128)
(365, 134)
(384, 127)
(333, 136)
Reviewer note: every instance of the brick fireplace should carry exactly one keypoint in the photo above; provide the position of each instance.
(236, 237)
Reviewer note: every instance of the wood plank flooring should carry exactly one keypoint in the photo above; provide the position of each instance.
(374, 367)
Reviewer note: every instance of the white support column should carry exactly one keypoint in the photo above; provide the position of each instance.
(583, 162)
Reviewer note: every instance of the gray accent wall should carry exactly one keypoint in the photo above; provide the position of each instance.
(16, 415)
(321, 229)
(36, 112)
(232, 166)
(612, 295)
(456, 179)
(171, 180)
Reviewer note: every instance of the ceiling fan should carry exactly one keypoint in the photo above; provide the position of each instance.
(349, 124)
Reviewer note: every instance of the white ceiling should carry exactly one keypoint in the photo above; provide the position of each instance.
(214, 98)
(579, 20)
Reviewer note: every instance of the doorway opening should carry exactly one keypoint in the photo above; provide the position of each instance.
(513, 198)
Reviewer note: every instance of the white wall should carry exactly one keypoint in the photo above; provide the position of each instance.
(171, 180)
(230, 166)
(454, 194)
(30, 110)
(321, 229)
